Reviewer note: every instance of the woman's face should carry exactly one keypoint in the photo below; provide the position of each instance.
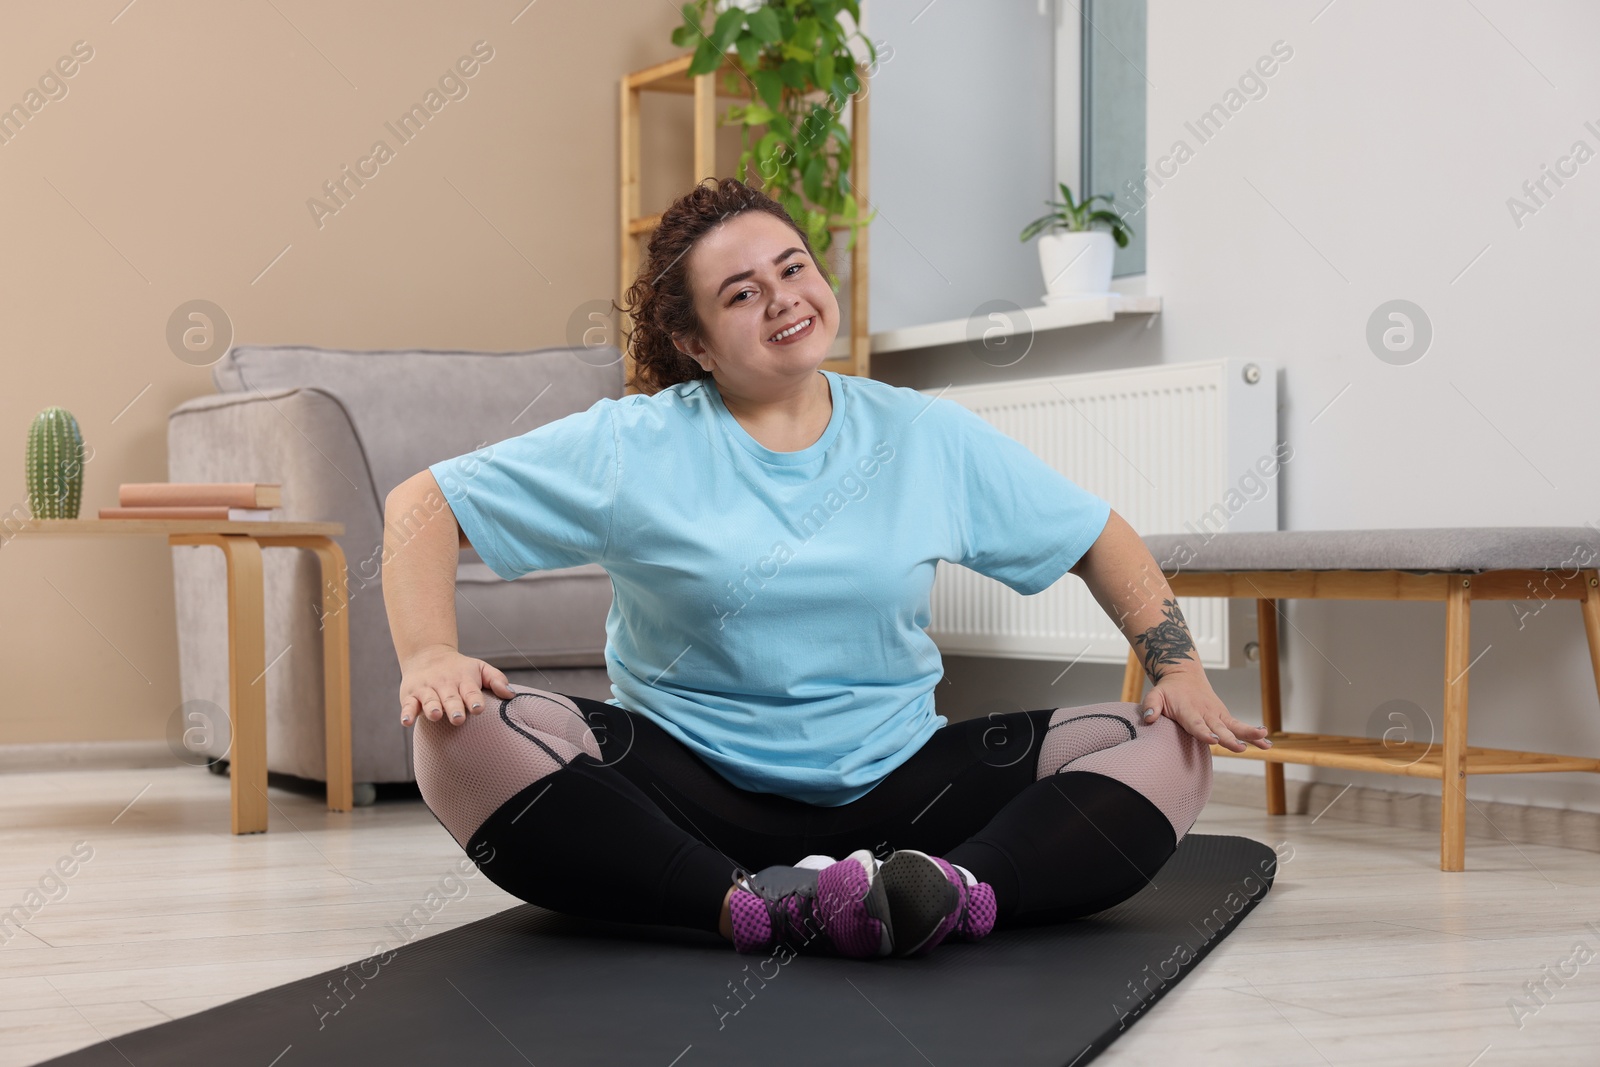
(751, 278)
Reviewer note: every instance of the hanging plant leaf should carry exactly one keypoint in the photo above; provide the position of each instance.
(815, 127)
(764, 25)
(756, 115)
(812, 178)
(749, 47)
(794, 74)
(805, 33)
(824, 68)
(729, 23)
(706, 58)
(765, 149)
(770, 86)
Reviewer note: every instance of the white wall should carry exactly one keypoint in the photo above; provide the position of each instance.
(1378, 165)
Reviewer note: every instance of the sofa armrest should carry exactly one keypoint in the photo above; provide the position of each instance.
(302, 438)
(299, 436)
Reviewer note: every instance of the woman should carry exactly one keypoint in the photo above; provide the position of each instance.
(771, 531)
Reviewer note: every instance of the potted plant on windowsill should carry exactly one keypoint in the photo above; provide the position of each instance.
(1075, 258)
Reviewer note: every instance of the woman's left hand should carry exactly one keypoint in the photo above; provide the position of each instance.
(1186, 697)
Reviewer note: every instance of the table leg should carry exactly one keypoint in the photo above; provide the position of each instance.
(247, 685)
(247, 669)
(335, 660)
(335, 672)
(1271, 698)
(1453, 794)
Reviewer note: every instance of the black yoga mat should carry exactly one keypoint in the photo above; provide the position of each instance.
(530, 986)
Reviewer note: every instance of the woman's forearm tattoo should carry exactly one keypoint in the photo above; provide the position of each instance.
(1166, 642)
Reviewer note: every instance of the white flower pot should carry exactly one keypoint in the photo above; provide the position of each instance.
(1076, 263)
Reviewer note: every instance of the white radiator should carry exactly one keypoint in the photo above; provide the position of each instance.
(1175, 448)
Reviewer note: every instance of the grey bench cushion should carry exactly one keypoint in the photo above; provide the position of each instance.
(1423, 551)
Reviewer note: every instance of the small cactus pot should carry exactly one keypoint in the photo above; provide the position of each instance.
(55, 465)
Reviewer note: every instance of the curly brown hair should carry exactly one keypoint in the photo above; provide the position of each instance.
(660, 301)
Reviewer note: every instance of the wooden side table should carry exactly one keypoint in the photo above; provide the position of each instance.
(241, 544)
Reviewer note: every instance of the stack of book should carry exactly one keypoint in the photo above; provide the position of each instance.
(233, 501)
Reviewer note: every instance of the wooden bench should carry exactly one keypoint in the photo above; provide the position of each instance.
(1456, 566)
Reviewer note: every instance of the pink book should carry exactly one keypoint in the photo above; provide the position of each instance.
(190, 494)
(199, 511)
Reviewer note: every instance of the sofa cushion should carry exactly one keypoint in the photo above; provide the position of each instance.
(494, 623)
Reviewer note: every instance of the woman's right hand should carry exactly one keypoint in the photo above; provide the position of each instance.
(440, 682)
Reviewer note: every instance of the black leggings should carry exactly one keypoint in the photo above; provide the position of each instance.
(586, 808)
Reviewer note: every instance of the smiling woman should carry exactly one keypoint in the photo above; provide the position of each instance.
(772, 674)
(682, 334)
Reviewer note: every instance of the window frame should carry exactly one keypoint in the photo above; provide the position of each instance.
(1071, 96)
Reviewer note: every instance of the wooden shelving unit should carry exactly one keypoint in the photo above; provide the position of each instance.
(852, 353)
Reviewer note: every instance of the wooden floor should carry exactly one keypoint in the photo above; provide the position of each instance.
(1363, 953)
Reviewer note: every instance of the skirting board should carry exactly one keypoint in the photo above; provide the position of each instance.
(1523, 824)
(84, 756)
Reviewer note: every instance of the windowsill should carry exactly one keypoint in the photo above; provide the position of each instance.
(1057, 316)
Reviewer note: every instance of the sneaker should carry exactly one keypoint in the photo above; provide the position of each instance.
(978, 914)
(841, 899)
(932, 899)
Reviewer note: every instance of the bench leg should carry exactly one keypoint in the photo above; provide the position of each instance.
(1132, 680)
(1271, 697)
(1453, 791)
(1591, 620)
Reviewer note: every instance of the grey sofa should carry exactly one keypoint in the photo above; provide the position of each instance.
(340, 429)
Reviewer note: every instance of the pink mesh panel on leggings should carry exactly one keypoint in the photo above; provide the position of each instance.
(466, 772)
(1162, 760)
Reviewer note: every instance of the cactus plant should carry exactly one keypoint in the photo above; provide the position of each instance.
(55, 465)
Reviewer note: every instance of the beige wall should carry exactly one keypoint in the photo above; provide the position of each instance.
(178, 164)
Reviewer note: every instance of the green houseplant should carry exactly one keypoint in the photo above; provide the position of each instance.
(787, 51)
(1075, 257)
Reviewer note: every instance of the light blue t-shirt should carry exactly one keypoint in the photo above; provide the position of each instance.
(768, 608)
